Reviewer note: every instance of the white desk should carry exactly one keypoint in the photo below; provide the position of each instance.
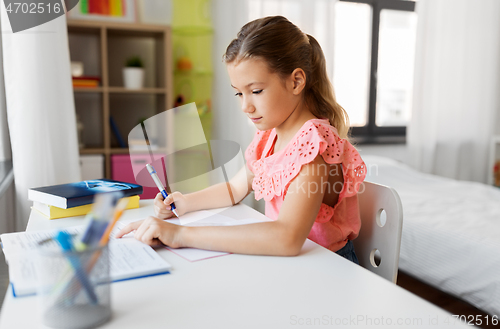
(315, 289)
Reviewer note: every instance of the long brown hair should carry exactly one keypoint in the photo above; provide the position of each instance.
(285, 47)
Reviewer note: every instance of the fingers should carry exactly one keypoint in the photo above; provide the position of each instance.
(149, 231)
(163, 213)
(142, 229)
(129, 228)
(153, 231)
(160, 202)
(158, 199)
(162, 206)
(150, 236)
(169, 200)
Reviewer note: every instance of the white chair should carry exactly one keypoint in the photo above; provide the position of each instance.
(377, 246)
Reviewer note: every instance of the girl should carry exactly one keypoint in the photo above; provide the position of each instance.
(299, 161)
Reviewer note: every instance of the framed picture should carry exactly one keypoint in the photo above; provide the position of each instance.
(105, 10)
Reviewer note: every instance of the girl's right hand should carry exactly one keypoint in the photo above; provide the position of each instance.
(162, 206)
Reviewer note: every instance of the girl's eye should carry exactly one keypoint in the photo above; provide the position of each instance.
(238, 94)
(257, 91)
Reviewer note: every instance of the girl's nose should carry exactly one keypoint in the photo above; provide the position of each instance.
(246, 106)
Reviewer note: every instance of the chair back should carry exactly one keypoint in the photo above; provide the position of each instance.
(377, 246)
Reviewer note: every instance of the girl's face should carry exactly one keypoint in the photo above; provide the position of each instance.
(265, 98)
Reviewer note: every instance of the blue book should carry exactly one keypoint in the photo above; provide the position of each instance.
(80, 193)
(118, 136)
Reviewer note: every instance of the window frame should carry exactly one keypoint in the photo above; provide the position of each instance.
(371, 133)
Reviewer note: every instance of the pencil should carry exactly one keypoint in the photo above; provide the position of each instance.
(120, 207)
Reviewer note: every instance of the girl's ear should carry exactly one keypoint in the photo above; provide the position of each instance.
(298, 77)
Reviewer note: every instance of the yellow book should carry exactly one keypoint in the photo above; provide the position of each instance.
(52, 212)
(115, 8)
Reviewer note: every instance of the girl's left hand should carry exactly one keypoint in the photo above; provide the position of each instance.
(153, 231)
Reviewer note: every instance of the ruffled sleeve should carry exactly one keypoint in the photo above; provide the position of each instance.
(256, 147)
(273, 175)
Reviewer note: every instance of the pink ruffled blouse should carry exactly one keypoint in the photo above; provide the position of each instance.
(334, 226)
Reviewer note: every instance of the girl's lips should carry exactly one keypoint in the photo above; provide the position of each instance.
(255, 119)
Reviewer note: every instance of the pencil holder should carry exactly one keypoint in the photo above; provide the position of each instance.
(73, 286)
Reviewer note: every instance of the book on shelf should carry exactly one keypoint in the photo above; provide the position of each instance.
(100, 7)
(84, 6)
(53, 212)
(141, 145)
(80, 193)
(117, 133)
(116, 7)
(103, 7)
(129, 258)
(85, 84)
(86, 81)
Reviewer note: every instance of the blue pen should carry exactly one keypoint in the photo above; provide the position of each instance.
(64, 239)
(158, 183)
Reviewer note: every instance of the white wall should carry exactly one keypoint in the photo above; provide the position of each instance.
(397, 152)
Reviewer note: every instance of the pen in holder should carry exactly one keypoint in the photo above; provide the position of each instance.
(88, 304)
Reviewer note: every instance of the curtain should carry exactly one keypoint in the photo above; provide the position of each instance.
(5, 152)
(456, 101)
(40, 109)
(229, 123)
(312, 17)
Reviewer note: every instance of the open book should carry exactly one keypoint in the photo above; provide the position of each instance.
(129, 258)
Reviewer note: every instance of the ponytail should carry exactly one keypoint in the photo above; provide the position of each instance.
(321, 92)
(285, 47)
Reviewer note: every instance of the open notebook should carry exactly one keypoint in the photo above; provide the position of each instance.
(129, 258)
(205, 218)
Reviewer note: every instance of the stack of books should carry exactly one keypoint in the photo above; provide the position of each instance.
(75, 199)
(103, 7)
(86, 81)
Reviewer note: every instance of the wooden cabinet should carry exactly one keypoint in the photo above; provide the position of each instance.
(103, 48)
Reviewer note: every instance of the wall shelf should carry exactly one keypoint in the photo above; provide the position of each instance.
(119, 150)
(88, 90)
(103, 48)
(122, 90)
(92, 150)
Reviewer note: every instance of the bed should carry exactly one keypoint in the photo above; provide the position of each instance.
(451, 231)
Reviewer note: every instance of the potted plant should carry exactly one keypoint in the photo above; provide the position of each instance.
(133, 73)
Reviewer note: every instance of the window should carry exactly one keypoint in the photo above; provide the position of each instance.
(373, 66)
